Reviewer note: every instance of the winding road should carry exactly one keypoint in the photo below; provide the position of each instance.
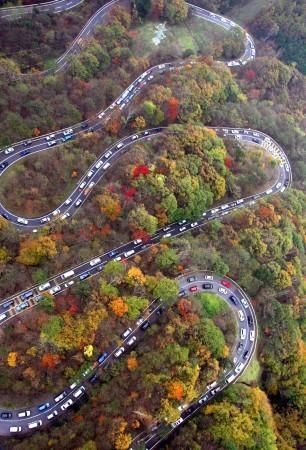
(23, 421)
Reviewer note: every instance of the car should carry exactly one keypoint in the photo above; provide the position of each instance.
(43, 406)
(182, 228)
(193, 289)
(45, 219)
(79, 392)
(50, 136)
(181, 222)
(28, 142)
(5, 216)
(15, 429)
(84, 275)
(3, 165)
(239, 368)
(134, 137)
(93, 379)
(67, 404)
(241, 315)
(203, 399)
(182, 407)
(208, 277)
(167, 235)
(126, 333)
(242, 333)
(250, 321)
(6, 415)
(160, 310)
(99, 164)
(118, 258)
(68, 201)
(84, 125)
(44, 286)
(137, 241)
(82, 185)
(95, 261)
(8, 303)
(222, 290)
(9, 150)
(207, 286)
(139, 321)
(244, 302)
(245, 354)
(70, 283)
(22, 306)
(239, 347)
(233, 299)
(191, 279)
(182, 293)
(214, 211)
(56, 212)
(65, 216)
(90, 174)
(52, 415)
(278, 185)
(22, 220)
(108, 154)
(145, 325)
(54, 290)
(51, 143)
(119, 352)
(194, 224)
(257, 141)
(131, 341)
(78, 203)
(60, 396)
(102, 357)
(26, 295)
(67, 132)
(101, 115)
(177, 422)
(226, 283)
(252, 335)
(26, 413)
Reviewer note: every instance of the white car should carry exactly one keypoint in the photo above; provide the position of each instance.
(70, 283)
(15, 429)
(243, 333)
(119, 352)
(36, 424)
(44, 286)
(64, 216)
(51, 136)
(222, 290)
(137, 241)
(52, 415)
(99, 164)
(182, 228)
(66, 405)
(126, 333)
(51, 143)
(194, 224)
(108, 154)
(22, 220)
(56, 212)
(54, 290)
(252, 335)
(9, 150)
(78, 203)
(208, 277)
(79, 392)
(241, 315)
(67, 132)
(101, 115)
(24, 413)
(131, 341)
(134, 137)
(90, 174)
(244, 302)
(45, 219)
(68, 201)
(177, 422)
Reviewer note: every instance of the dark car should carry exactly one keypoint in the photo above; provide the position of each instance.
(6, 415)
(44, 406)
(85, 275)
(8, 303)
(182, 293)
(191, 279)
(25, 152)
(84, 125)
(145, 325)
(5, 216)
(102, 357)
(239, 346)
(256, 140)
(93, 379)
(207, 285)
(160, 310)
(113, 253)
(27, 143)
(3, 165)
(245, 354)
(233, 299)
(250, 321)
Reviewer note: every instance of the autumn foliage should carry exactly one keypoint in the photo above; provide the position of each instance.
(140, 170)
(50, 360)
(175, 390)
(172, 109)
(118, 306)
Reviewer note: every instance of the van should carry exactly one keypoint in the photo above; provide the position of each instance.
(26, 295)
(15, 429)
(95, 261)
(68, 274)
(44, 286)
(106, 166)
(79, 392)
(129, 253)
(239, 367)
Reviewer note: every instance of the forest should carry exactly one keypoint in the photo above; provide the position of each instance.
(156, 182)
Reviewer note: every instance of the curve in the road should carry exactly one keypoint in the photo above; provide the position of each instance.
(31, 419)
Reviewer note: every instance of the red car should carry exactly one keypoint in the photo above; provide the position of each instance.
(226, 283)
(193, 289)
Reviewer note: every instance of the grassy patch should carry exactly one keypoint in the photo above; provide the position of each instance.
(196, 34)
(253, 372)
(212, 304)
